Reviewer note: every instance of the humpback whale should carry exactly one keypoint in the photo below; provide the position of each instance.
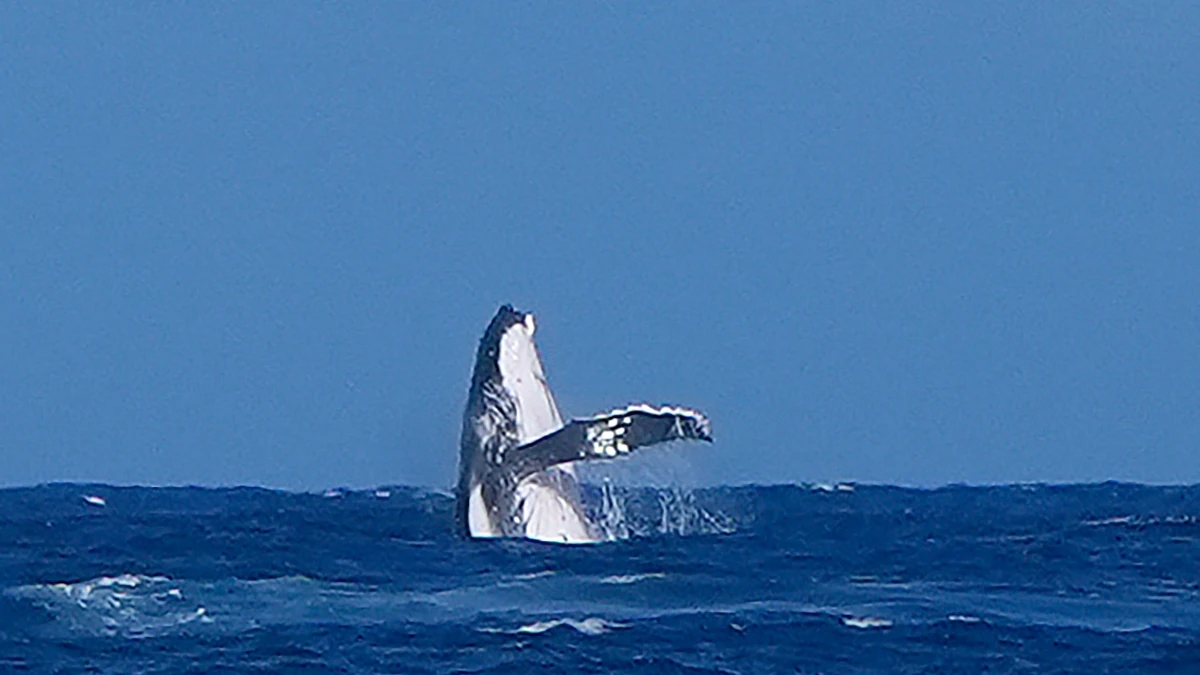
(516, 475)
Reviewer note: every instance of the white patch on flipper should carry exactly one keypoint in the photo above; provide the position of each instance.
(610, 418)
(549, 516)
(679, 411)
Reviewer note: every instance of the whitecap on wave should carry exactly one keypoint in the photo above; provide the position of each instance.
(631, 578)
(593, 625)
(866, 622)
(964, 618)
(130, 605)
(534, 575)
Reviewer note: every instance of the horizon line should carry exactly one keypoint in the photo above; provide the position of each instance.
(819, 486)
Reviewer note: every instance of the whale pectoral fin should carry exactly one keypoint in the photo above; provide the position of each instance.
(562, 446)
(608, 436)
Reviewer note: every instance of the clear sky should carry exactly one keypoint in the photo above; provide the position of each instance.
(904, 243)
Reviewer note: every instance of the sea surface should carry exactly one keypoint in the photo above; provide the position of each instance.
(786, 579)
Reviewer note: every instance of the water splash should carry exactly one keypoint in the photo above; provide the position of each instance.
(681, 515)
(651, 494)
(622, 512)
(611, 518)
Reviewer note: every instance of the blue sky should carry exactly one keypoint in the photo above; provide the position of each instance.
(899, 243)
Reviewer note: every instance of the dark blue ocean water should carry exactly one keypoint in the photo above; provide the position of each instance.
(836, 579)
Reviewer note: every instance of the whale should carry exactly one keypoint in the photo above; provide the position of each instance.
(517, 457)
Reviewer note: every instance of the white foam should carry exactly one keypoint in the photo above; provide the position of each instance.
(866, 622)
(95, 500)
(129, 605)
(631, 578)
(84, 589)
(1117, 520)
(590, 626)
(844, 486)
(535, 575)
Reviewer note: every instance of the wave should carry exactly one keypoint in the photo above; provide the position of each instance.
(145, 606)
(1108, 559)
(131, 605)
(632, 578)
(866, 622)
(592, 625)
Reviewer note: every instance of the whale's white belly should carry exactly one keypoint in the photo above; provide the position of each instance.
(550, 516)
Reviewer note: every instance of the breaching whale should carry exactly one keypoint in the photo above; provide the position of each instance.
(516, 474)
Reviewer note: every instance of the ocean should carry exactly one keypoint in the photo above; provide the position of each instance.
(1101, 578)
